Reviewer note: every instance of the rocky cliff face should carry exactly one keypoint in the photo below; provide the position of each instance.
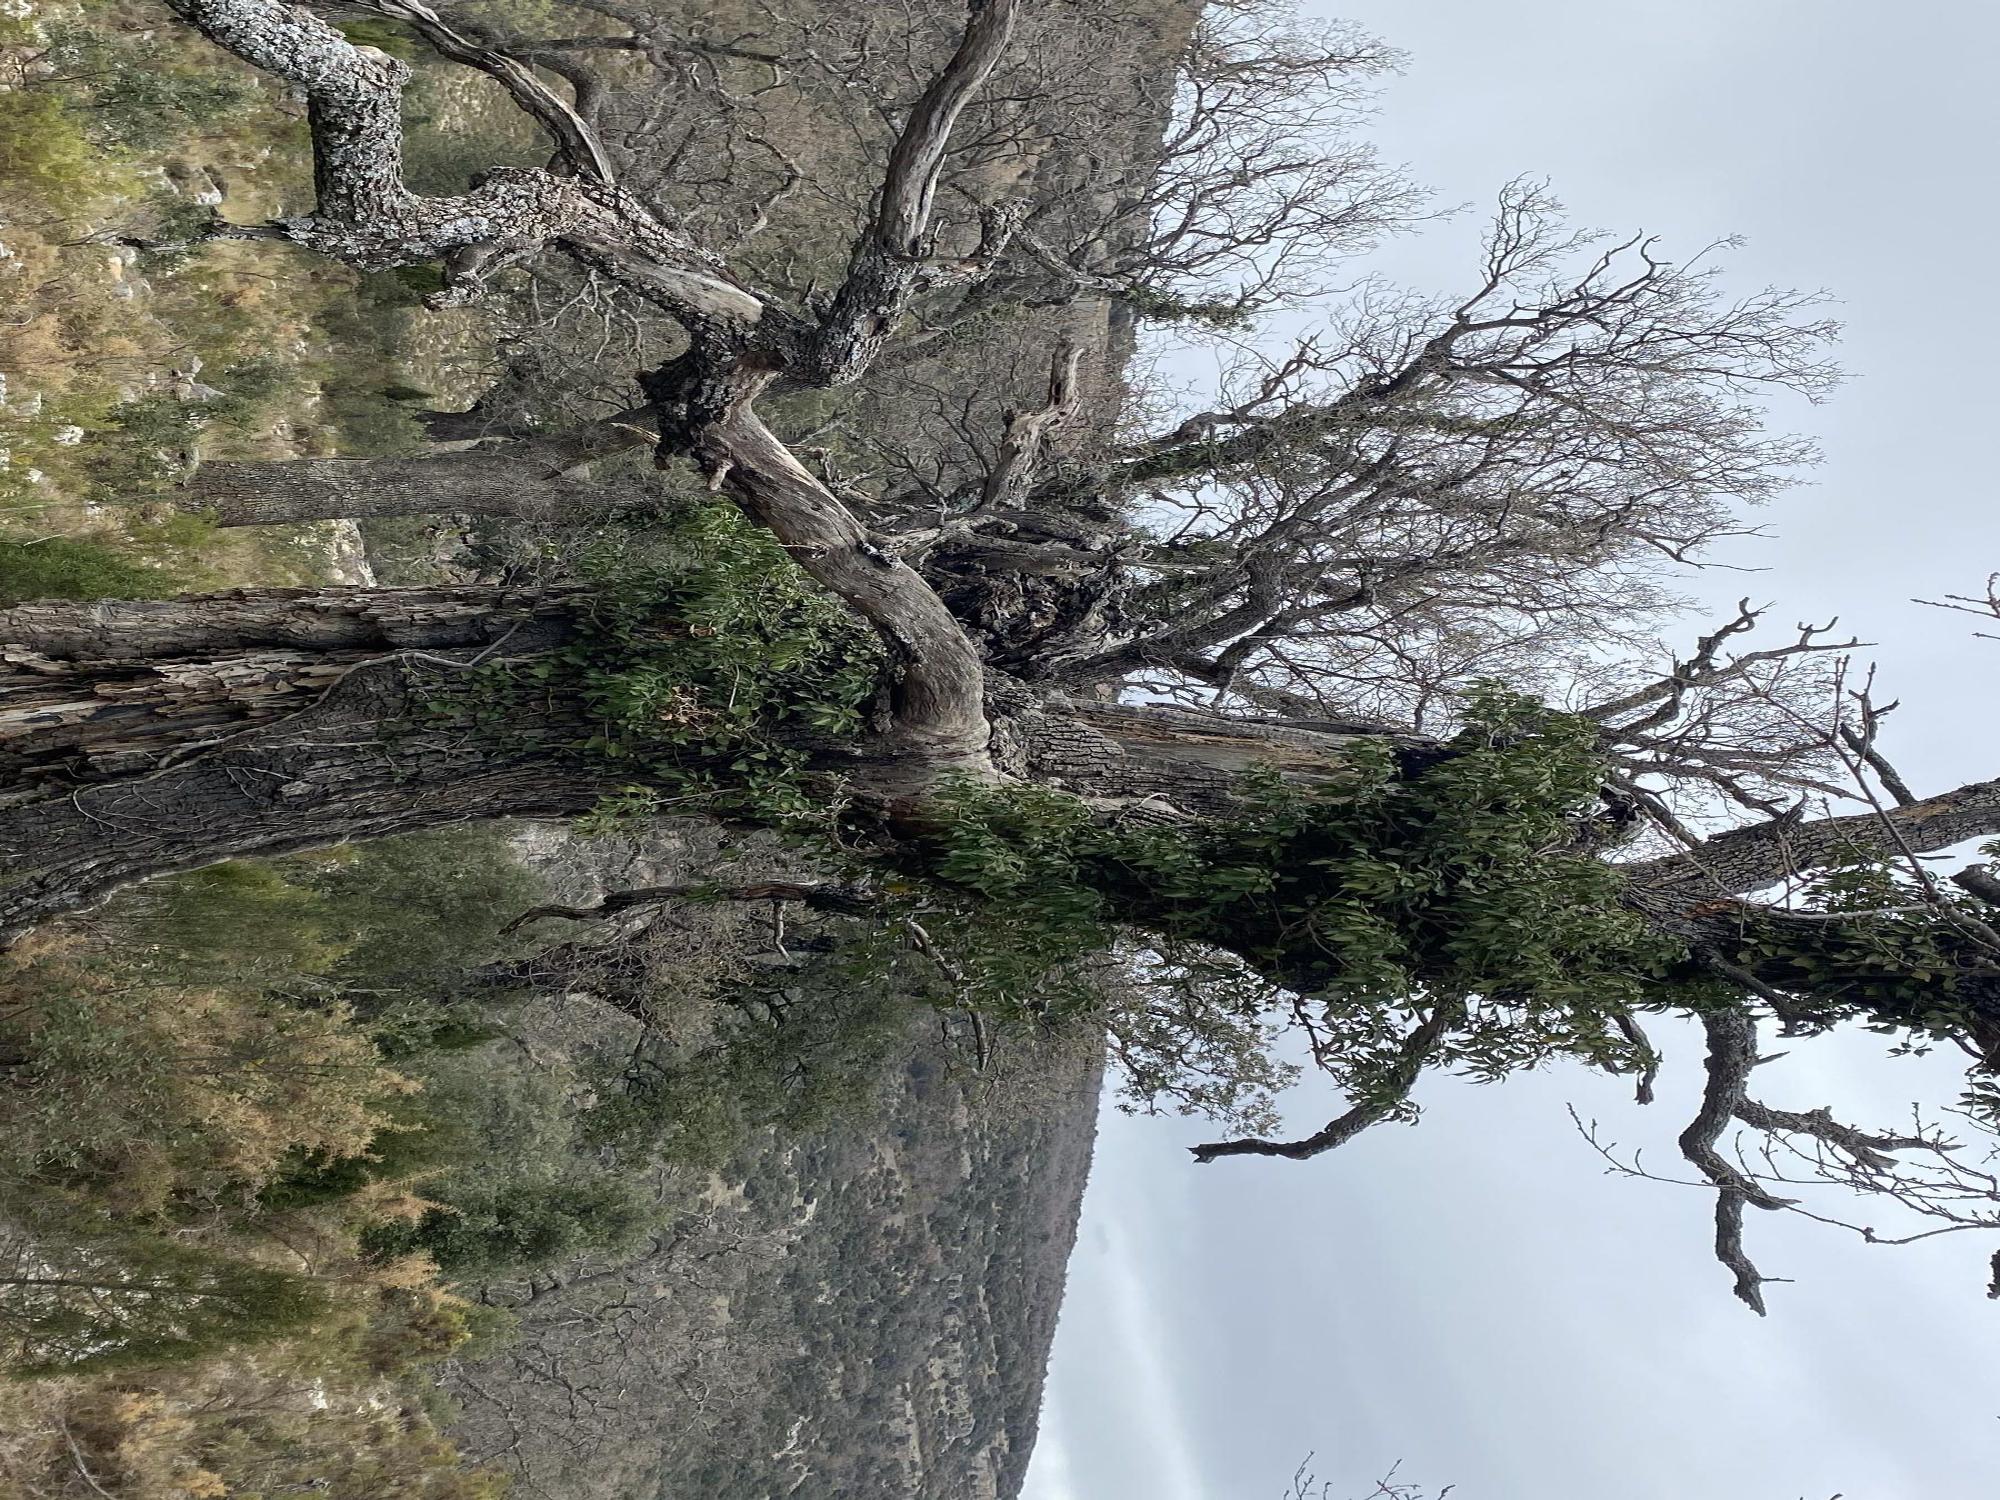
(865, 1310)
(857, 1311)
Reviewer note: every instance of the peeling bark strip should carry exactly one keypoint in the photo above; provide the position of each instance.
(331, 618)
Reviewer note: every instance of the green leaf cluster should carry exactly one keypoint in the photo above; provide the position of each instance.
(701, 666)
(1466, 881)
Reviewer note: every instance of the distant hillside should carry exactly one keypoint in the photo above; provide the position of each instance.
(925, 1290)
(864, 1312)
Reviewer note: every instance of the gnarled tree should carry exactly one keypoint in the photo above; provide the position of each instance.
(1205, 684)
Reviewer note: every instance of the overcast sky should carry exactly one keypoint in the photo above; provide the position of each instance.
(1472, 1296)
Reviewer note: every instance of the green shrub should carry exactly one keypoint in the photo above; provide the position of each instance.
(45, 150)
(68, 1306)
(485, 1228)
(68, 568)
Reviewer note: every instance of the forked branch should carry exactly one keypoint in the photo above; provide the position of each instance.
(1382, 1101)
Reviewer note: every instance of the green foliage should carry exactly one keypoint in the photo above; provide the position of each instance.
(1463, 883)
(294, 1417)
(44, 148)
(698, 662)
(422, 907)
(235, 1041)
(64, 568)
(404, 1149)
(130, 106)
(1223, 314)
(1874, 944)
(244, 919)
(1026, 857)
(792, 1064)
(491, 1227)
(69, 1305)
(393, 913)
(138, 1098)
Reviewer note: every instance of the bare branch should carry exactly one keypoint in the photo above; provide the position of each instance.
(818, 896)
(1745, 859)
(576, 143)
(887, 264)
(1649, 1068)
(1027, 432)
(1417, 1049)
(366, 216)
(1732, 1053)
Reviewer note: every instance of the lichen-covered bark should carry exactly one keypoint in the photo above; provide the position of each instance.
(365, 215)
(141, 738)
(507, 482)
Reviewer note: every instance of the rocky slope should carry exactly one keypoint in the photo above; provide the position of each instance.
(864, 1309)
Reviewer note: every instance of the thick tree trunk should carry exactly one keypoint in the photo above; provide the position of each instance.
(96, 693)
(137, 739)
(534, 478)
(142, 738)
(1173, 760)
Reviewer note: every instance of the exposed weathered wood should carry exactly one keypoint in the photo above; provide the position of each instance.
(97, 694)
(1744, 859)
(887, 265)
(141, 738)
(1027, 432)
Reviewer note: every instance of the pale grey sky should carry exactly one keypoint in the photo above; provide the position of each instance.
(1472, 1296)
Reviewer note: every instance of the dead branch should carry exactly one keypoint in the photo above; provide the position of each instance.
(1417, 1049)
(819, 897)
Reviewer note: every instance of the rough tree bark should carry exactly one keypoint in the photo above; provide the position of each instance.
(537, 479)
(141, 738)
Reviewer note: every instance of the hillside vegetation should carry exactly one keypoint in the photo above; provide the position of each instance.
(313, 1178)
